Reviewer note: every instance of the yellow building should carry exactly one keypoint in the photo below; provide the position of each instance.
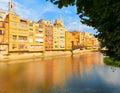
(96, 43)
(24, 35)
(59, 35)
(81, 39)
(18, 33)
(76, 37)
(56, 38)
(68, 40)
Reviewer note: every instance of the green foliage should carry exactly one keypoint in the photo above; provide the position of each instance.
(103, 15)
(110, 61)
(62, 3)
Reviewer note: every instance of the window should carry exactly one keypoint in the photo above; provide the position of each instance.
(61, 46)
(30, 24)
(55, 41)
(56, 46)
(14, 46)
(40, 26)
(62, 33)
(14, 37)
(31, 29)
(1, 32)
(14, 17)
(61, 41)
(22, 46)
(22, 37)
(22, 25)
(62, 37)
(11, 6)
(14, 24)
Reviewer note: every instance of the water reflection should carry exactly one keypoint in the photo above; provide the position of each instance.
(78, 74)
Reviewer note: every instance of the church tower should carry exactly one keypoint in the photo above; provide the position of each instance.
(11, 7)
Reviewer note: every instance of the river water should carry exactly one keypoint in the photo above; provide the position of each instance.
(84, 73)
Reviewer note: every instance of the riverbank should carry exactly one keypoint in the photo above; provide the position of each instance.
(18, 56)
(111, 62)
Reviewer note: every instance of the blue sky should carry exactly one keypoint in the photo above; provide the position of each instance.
(42, 9)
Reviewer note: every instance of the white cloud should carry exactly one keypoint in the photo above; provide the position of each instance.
(35, 13)
(73, 23)
(4, 1)
(3, 4)
(80, 27)
(39, 11)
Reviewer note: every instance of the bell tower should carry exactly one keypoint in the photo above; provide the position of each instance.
(11, 6)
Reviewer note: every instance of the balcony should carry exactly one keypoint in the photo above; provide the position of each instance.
(40, 29)
(39, 35)
(39, 40)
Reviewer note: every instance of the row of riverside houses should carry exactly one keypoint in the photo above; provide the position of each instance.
(23, 35)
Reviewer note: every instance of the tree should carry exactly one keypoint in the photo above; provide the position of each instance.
(103, 15)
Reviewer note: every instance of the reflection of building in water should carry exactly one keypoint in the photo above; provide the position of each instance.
(75, 65)
(48, 76)
(68, 67)
(80, 64)
(59, 72)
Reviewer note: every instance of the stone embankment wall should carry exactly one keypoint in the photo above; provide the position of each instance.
(18, 56)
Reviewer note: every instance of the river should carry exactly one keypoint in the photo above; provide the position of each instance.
(84, 73)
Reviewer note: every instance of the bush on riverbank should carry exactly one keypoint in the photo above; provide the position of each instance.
(110, 61)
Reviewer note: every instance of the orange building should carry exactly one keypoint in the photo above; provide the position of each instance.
(3, 37)
(48, 32)
(2, 31)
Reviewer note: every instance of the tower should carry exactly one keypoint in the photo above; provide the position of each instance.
(11, 7)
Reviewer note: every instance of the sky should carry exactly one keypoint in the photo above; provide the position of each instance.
(42, 9)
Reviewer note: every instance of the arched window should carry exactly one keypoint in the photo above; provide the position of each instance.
(11, 6)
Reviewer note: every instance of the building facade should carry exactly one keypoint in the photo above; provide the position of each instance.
(59, 35)
(68, 40)
(22, 35)
(38, 38)
(4, 40)
(3, 37)
(76, 36)
(47, 27)
(18, 33)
